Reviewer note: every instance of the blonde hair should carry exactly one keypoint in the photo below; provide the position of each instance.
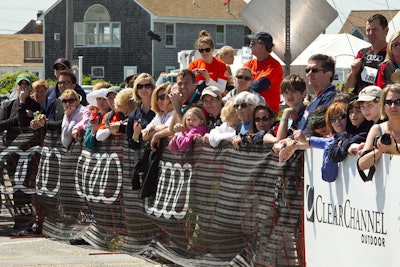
(70, 93)
(205, 37)
(224, 51)
(100, 85)
(123, 101)
(154, 97)
(389, 48)
(195, 111)
(228, 113)
(40, 83)
(142, 77)
(394, 88)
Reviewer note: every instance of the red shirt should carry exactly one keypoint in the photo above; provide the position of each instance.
(271, 69)
(216, 69)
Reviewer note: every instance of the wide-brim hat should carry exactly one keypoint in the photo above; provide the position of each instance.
(91, 97)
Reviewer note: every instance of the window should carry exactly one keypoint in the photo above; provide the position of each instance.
(33, 51)
(246, 40)
(97, 72)
(97, 30)
(129, 70)
(170, 35)
(220, 40)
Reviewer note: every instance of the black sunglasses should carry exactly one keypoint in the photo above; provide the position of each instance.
(242, 105)
(265, 118)
(389, 102)
(201, 50)
(240, 77)
(141, 86)
(60, 67)
(63, 82)
(315, 70)
(69, 100)
(161, 97)
(341, 117)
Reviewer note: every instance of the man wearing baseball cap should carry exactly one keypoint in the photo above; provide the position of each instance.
(212, 104)
(53, 93)
(18, 113)
(267, 71)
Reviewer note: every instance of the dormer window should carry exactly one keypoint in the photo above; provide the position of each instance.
(97, 29)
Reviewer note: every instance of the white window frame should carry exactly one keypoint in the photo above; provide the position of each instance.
(168, 34)
(94, 68)
(220, 35)
(129, 70)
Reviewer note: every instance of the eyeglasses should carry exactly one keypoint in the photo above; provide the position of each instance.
(254, 42)
(64, 82)
(161, 97)
(24, 83)
(141, 86)
(202, 50)
(314, 119)
(389, 102)
(335, 119)
(315, 70)
(240, 77)
(242, 105)
(258, 119)
(69, 100)
(60, 67)
(395, 44)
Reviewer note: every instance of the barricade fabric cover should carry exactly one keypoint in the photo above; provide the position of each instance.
(213, 206)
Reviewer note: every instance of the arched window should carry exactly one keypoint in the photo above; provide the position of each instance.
(97, 29)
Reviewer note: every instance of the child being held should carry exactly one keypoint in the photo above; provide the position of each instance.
(194, 126)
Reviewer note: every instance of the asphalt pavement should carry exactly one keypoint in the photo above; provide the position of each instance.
(43, 251)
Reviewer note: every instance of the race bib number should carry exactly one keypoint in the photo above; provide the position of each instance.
(369, 74)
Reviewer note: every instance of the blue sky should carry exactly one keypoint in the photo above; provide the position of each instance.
(15, 14)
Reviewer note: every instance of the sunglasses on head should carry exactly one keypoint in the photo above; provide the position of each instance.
(60, 67)
(161, 97)
(258, 119)
(141, 86)
(69, 100)
(202, 50)
(240, 77)
(335, 119)
(389, 102)
(242, 105)
(314, 70)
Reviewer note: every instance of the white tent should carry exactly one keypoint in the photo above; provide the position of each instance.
(341, 47)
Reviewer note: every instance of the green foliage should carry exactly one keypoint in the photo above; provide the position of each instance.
(7, 81)
(87, 80)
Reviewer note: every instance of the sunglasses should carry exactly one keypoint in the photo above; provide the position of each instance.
(396, 44)
(265, 118)
(60, 67)
(242, 105)
(314, 119)
(141, 86)
(202, 50)
(389, 102)
(335, 119)
(63, 82)
(315, 70)
(161, 97)
(256, 42)
(243, 77)
(69, 100)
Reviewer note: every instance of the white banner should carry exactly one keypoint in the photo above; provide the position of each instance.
(350, 222)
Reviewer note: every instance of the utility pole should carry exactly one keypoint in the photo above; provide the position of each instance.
(288, 56)
(69, 33)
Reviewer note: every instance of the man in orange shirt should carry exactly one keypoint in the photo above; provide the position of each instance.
(267, 72)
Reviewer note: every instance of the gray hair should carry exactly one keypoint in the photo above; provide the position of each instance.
(246, 97)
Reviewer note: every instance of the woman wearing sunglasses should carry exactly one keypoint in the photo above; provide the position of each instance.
(374, 146)
(263, 122)
(242, 79)
(244, 104)
(209, 70)
(73, 114)
(391, 63)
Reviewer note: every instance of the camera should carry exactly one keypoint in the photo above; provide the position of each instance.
(386, 139)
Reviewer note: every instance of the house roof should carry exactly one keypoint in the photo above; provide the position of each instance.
(357, 18)
(12, 49)
(193, 9)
